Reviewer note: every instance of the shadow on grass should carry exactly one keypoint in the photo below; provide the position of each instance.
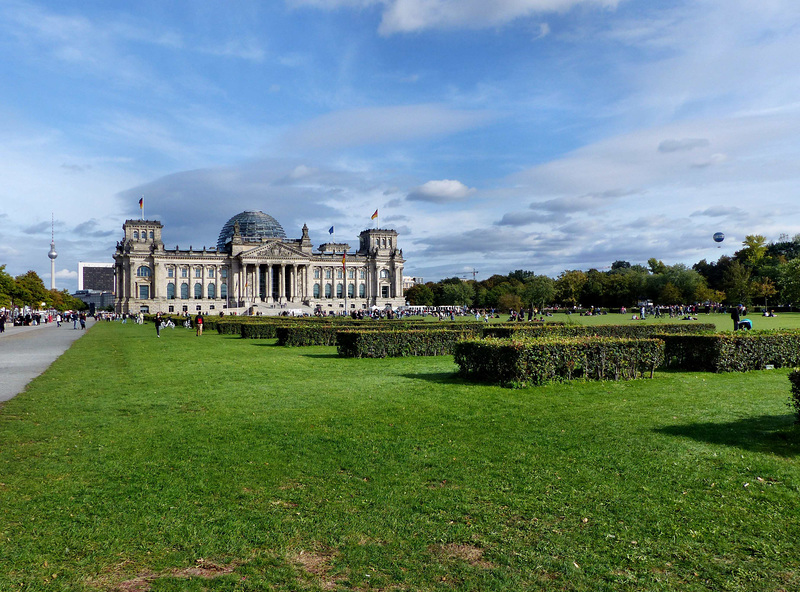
(321, 356)
(437, 377)
(774, 434)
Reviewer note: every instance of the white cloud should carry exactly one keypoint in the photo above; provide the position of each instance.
(407, 16)
(379, 125)
(681, 145)
(444, 191)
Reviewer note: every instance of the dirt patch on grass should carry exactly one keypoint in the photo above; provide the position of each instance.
(202, 569)
(461, 552)
(318, 565)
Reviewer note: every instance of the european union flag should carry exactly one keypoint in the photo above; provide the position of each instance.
(330, 230)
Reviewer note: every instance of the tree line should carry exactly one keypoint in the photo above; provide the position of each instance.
(28, 290)
(759, 273)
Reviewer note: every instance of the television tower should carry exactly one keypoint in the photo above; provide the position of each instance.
(52, 254)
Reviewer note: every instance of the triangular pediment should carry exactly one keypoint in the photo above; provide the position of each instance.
(272, 250)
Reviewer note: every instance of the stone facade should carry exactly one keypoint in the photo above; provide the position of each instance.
(255, 273)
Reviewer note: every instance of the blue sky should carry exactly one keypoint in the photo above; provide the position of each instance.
(492, 135)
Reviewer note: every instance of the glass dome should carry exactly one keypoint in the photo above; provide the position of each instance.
(253, 226)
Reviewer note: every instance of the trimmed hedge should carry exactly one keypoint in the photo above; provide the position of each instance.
(732, 352)
(537, 361)
(794, 398)
(402, 342)
(621, 331)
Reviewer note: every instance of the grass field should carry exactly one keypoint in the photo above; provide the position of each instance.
(217, 463)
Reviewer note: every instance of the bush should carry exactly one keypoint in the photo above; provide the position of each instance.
(621, 331)
(794, 398)
(732, 352)
(537, 361)
(403, 342)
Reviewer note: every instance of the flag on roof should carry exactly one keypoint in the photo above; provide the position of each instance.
(375, 215)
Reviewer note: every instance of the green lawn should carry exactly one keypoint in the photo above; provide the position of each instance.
(217, 463)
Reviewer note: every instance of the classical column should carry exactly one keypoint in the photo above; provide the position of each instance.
(282, 283)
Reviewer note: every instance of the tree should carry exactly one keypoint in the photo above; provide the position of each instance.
(460, 294)
(521, 275)
(509, 301)
(30, 290)
(569, 286)
(755, 249)
(736, 283)
(670, 294)
(618, 265)
(538, 291)
(7, 287)
(420, 295)
(763, 287)
(790, 281)
(656, 265)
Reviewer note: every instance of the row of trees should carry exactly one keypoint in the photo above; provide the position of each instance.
(759, 273)
(28, 290)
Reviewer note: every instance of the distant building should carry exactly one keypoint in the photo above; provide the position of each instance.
(96, 285)
(96, 276)
(255, 269)
(410, 282)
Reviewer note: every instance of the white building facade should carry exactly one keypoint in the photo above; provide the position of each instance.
(253, 269)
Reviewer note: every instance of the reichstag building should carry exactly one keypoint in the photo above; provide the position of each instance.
(255, 269)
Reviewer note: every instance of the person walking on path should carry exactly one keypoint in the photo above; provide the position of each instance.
(199, 322)
(82, 319)
(158, 324)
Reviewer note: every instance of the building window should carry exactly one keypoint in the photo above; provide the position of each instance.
(223, 291)
(362, 290)
(328, 274)
(339, 274)
(212, 291)
(151, 235)
(198, 291)
(144, 292)
(351, 290)
(171, 272)
(362, 274)
(384, 273)
(184, 291)
(211, 272)
(316, 273)
(171, 308)
(223, 272)
(135, 235)
(316, 290)
(184, 272)
(143, 271)
(328, 290)
(144, 309)
(351, 274)
(384, 291)
(339, 291)
(170, 291)
(198, 272)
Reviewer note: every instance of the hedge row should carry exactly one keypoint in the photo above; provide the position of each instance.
(794, 398)
(404, 342)
(732, 352)
(623, 331)
(522, 362)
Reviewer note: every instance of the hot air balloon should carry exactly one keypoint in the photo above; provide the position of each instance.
(718, 238)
